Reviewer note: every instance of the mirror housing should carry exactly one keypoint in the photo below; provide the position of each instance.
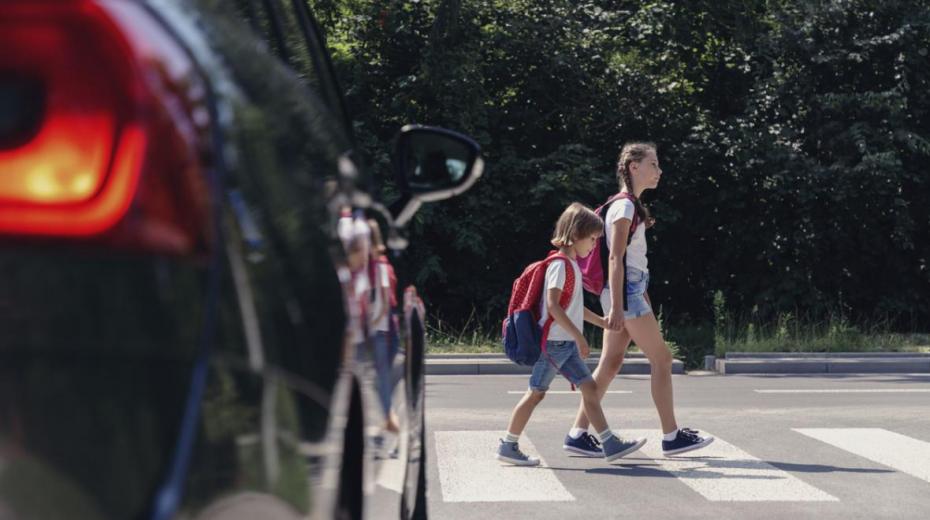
(432, 164)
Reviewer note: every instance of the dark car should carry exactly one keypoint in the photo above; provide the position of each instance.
(179, 334)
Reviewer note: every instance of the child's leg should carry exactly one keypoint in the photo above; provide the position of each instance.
(540, 379)
(522, 412)
(591, 401)
(614, 349)
(645, 332)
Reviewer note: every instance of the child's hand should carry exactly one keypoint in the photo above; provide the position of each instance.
(583, 349)
(614, 320)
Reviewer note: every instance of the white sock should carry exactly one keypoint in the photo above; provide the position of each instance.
(511, 437)
(575, 433)
(604, 435)
(670, 436)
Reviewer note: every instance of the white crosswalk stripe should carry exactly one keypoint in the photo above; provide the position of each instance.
(722, 472)
(903, 453)
(468, 471)
(845, 391)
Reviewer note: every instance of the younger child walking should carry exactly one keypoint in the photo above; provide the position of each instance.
(576, 233)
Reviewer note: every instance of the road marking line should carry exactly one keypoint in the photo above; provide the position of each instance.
(903, 453)
(848, 391)
(721, 472)
(468, 471)
(562, 392)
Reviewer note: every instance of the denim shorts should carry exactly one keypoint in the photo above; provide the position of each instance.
(565, 356)
(636, 282)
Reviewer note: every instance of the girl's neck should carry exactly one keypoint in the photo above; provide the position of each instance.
(568, 251)
(636, 192)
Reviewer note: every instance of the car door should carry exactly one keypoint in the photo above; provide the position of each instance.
(274, 380)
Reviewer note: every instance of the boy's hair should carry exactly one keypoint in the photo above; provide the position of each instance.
(377, 243)
(577, 222)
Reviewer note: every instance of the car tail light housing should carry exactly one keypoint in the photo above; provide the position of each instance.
(105, 137)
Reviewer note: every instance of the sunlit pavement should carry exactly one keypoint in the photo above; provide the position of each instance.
(787, 447)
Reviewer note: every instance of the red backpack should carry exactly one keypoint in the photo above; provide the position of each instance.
(524, 340)
(594, 266)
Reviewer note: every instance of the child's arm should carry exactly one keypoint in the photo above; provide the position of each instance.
(615, 274)
(558, 315)
(591, 317)
(383, 286)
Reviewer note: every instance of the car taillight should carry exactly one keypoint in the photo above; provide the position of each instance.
(103, 128)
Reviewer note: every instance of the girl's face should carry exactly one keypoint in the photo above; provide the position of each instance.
(584, 246)
(646, 173)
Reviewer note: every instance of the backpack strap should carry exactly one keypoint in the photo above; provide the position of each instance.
(568, 290)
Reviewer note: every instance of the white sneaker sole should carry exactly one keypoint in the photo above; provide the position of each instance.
(517, 462)
(580, 451)
(639, 444)
(707, 442)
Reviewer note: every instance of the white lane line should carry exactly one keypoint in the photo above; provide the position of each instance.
(903, 453)
(561, 392)
(721, 472)
(847, 391)
(468, 471)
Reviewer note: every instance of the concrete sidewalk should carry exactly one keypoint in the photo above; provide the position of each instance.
(733, 363)
(481, 364)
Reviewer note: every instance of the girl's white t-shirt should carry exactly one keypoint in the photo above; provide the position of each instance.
(555, 278)
(359, 284)
(636, 250)
(382, 280)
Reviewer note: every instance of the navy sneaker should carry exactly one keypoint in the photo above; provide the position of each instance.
(616, 447)
(585, 445)
(687, 440)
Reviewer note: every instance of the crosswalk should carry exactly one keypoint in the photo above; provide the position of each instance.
(722, 472)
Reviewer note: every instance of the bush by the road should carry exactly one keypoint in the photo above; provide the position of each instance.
(794, 136)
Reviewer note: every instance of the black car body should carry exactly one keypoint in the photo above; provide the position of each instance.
(174, 305)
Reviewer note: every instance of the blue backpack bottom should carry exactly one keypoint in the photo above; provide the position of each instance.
(522, 336)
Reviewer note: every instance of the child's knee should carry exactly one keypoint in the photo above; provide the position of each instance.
(536, 396)
(662, 359)
(589, 390)
(612, 366)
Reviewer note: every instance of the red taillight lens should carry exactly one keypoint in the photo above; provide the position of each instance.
(108, 141)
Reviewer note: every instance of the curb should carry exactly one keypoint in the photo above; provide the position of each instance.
(823, 363)
(735, 363)
(497, 364)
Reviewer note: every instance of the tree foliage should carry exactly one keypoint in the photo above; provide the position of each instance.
(794, 137)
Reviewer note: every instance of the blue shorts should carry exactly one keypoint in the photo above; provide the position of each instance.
(565, 356)
(636, 282)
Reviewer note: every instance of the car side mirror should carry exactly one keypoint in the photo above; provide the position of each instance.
(432, 164)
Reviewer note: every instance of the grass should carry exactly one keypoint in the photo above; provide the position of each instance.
(441, 338)
(691, 342)
(789, 333)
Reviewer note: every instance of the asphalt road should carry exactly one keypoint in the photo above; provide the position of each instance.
(787, 447)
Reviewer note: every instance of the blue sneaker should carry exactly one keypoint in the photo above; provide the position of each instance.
(510, 453)
(686, 440)
(586, 445)
(616, 447)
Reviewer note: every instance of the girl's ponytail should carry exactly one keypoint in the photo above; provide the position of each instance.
(634, 152)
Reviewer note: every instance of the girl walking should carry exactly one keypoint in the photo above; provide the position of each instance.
(628, 309)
